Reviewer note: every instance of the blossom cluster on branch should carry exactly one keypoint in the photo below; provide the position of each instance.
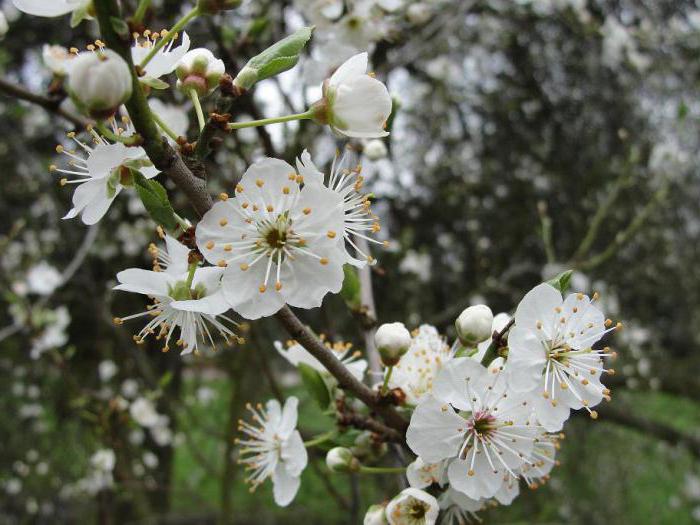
(477, 415)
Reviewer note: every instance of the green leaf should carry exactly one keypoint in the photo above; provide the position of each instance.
(155, 199)
(154, 83)
(351, 287)
(314, 383)
(562, 282)
(120, 26)
(276, 59)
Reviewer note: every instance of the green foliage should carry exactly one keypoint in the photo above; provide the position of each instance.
(276, 59)
(155, 199)
(315, 385)
(562, 282)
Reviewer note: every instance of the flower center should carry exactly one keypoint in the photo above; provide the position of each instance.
(417, 510)
(482, 424)
(181, 291)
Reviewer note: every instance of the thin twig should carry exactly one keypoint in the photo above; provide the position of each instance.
(50, 105)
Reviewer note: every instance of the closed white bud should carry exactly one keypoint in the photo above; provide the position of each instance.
(376, 515)
(199, 70)
(99, 82)
(375, 149)
(392, 341)
(474, 325)
(418, 13)
(341, 459)
(354, 103)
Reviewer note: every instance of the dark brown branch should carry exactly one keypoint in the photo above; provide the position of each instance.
(50, 105)
(163, 156)
(367, 423)
(346, 380)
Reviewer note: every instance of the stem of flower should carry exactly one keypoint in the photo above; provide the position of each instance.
(109, 134)
(322, 438)
(263, 122)
(381, 470)
(387, 376)
(190, 274)
(163, 126)
(171, 34)
(141, 11)
(198, 109)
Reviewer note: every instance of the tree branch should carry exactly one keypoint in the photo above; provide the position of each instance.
(346, 380)
(163, 156)
(50, 105)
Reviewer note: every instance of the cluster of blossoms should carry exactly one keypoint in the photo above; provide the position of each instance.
(484, 412)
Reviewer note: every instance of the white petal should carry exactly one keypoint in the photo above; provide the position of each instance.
(361, 108)
(538, 306)
(285, 486)
(294, 455)
(308, 170)
(45, 7)
(351, 68)
(146, 282)
(435, 432)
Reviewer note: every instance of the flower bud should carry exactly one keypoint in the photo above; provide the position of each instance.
(375, 149)
(99, 82)
(367, 448)
(211, 7)
(340, 459)
(474, 325)
(354, 103)
(199, 70)
(375, 515)
(392, 341)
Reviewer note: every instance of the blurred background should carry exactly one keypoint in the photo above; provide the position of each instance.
(530, 137)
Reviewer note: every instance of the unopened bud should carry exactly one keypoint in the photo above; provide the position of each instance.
(375, 149)
(392, 341)
(340, 459)
(474, 325)
(199, 70)
(368, 448)
(212, 7)
(99, 82)
(376, 515)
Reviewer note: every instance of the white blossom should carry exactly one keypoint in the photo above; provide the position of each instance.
(354, 103)
(426, 356)
(274, 449)
(143, 411)
(279, 241)
(297, 354)
(107, 369)
(43, 279)
(412, 507)
(188, 297)
(99, 82)
(473, 420)
(358, 220)
(57, 58)
(550, 353)
(165, 60)
(105, 170)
